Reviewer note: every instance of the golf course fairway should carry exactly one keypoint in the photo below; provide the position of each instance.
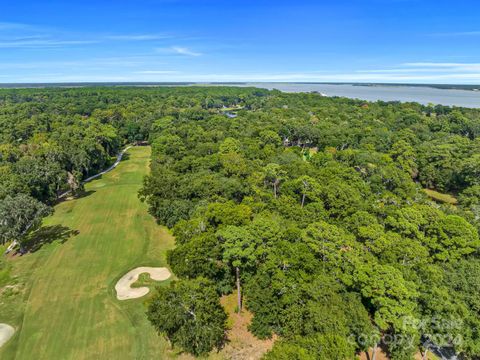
(63, 303)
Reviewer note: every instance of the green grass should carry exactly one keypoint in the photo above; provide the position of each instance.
(62, 300)
(441, 197)
(4, 269)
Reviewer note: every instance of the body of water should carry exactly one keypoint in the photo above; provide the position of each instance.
(423, 95)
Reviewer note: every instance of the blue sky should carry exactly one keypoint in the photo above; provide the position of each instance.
(423, 41)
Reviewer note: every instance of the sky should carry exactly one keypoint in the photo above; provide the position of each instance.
(399, 41)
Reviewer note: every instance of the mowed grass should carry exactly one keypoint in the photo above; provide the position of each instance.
(441, 197)
(64, 304)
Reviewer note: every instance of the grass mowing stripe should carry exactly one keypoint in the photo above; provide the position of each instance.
(71, 311)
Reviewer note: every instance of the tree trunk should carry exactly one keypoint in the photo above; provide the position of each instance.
(275, 189)
(425, 355)
(303, 199)
(239, 291)
(11, 247)
(374, 354)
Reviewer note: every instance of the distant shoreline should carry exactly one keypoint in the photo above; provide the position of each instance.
(466, 96)
(140, 84)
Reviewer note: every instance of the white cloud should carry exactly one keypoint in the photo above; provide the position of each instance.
(428, 68)
(467, 33)
(13, 26)
(440, 64)
(179, 50)
(60, 78)
(137, 37)
(185, 51)
(398, 71)
(459, 33)
(24, 36)
(85, 75)
(340, 77)
(160, 75)
(452, 67)
(89, 63)
(17, 35)
(36, 42)
(156, 72)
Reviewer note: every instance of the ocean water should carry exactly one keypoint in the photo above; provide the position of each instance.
(424, 95)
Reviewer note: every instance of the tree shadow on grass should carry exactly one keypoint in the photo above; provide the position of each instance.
(83, 194)
(125, 156)
(78, 195)
(47, 235)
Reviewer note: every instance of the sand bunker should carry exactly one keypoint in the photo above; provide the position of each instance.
(124, 289)
(6, 332)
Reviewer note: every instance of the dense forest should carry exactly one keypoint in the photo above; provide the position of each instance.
(315, 210)
(51, 139)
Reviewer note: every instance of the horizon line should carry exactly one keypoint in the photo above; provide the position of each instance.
(234, 82)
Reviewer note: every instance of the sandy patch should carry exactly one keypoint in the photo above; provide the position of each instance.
(124, 289)
(6, 332)
(242, 344)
